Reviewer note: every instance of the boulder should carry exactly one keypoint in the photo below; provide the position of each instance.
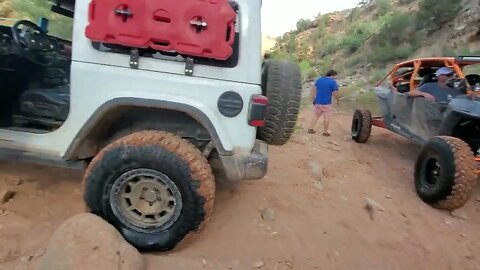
(86, 241)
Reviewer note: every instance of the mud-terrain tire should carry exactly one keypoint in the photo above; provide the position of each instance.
(445, 173)
(361, 126)
(281, 83)
(154, 187)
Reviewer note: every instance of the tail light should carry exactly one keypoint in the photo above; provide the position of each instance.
(258, 108)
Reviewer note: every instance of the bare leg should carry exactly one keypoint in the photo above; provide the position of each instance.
(313, 122)
(326, 123)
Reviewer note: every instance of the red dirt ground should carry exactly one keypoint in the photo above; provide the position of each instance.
(313, 228)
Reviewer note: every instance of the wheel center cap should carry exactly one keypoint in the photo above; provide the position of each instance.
(150, 196)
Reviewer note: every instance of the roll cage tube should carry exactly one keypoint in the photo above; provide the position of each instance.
(417, 64)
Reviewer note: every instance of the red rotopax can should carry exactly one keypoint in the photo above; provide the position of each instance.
(198, 28)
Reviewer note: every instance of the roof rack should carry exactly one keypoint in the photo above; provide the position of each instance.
(468, 58)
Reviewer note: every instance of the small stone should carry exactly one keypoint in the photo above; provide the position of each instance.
(268, 214)
(448, 222)
(204, 262)
(371, 206)
(317, 171)
(318, 185)
(6, 196)
(459, 214)
(17, 181)
(343, 198)
(403, 214)
(478, 198)
(463, 235)
(258, 264)
(388, 197)
(334, 143)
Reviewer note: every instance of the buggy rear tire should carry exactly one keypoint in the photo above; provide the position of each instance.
(361, 126)
(281, 84)
(154, 187)
(445, 173)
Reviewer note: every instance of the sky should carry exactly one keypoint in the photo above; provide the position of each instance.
(280, 16)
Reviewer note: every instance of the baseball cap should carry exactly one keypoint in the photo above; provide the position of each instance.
(444, 71)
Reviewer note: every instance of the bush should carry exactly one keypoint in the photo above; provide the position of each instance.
(352, 43)
(354, 14)
(355, 38)
(387, 53)
(5, 8)
(383, 6)
(322, 26)
(329, 46)
(433, 14)
(396, 30)
(405, 2)
(303, 24)
(312, 74)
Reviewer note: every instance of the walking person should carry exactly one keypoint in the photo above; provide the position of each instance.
(322, 91)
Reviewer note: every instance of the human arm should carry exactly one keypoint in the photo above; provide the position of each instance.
(336, 95)
(313, 92)
(418, 93)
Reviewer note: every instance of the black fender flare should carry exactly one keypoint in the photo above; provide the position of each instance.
(103, 110)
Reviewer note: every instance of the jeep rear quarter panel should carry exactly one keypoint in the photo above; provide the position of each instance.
(104, 80)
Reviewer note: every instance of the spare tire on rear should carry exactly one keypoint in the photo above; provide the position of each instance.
(281, 83)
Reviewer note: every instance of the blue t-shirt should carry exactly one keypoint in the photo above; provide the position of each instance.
(325, 88)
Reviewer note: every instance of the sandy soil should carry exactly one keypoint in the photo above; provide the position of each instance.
(315, 226)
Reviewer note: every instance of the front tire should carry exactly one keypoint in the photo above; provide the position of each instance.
(445, 173)
(361, 126)
(154, 187)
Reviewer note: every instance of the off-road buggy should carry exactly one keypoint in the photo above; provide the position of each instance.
(448, 166)
(153, 98)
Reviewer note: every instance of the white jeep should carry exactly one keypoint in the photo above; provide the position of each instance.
(149, 124)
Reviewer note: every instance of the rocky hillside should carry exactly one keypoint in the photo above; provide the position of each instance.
(365, 40)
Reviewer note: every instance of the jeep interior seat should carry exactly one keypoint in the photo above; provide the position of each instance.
(428, 78)
(48, 107)
(403, 88)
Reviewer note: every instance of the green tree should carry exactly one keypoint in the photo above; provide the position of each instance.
(303, 24)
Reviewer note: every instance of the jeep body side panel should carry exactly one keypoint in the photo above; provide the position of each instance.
(94, 85)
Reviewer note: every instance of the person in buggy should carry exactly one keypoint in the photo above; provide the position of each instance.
(438, 91)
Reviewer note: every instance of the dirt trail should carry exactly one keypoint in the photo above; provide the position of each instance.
(313, 228)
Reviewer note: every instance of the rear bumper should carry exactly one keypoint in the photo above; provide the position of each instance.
(251, 167)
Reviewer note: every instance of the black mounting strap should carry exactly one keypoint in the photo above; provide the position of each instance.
(189, 65)
(134, 58)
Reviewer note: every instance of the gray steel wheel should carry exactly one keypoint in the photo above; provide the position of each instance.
(146, 199)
